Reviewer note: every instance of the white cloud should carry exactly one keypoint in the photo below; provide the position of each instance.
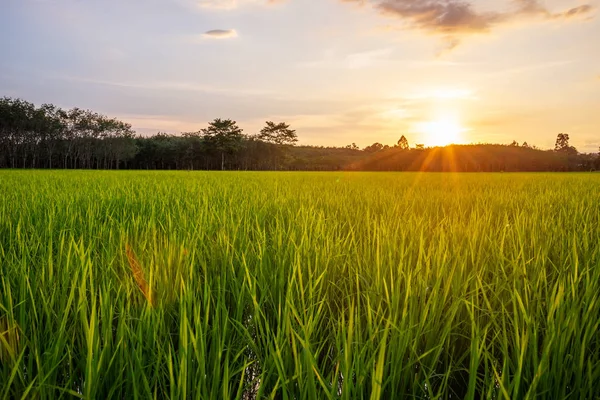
(220, 34)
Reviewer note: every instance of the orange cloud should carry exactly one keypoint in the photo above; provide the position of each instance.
(457, 17)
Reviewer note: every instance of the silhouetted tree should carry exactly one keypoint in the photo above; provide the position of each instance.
(278, 134)
(562, 142)
(36, 137)
(403, 143)
(373, 148)
(569, 152)
(52, 130)
(224, 136)
(192, 148)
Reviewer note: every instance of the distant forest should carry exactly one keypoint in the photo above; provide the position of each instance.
(50, 137)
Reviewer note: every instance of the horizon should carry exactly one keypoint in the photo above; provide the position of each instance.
(346, 70)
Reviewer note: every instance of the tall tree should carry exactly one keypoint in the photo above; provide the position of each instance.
(224, 136)
(403, 143)
(278, 133)
(52, 129)
(562, 145)
(562, 142)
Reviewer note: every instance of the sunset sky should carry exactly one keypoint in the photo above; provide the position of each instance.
(339, 71)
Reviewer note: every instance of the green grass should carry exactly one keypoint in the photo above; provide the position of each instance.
(299, 285)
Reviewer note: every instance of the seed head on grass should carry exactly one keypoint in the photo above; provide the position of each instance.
(138, 275)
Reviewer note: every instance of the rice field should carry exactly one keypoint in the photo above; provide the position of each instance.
(243, 285)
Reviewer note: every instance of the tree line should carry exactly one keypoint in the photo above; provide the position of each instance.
(477, 158)
(50, 137)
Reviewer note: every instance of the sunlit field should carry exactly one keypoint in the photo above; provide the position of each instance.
(299, 285)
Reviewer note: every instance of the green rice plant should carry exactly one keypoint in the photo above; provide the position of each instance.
(247, 285)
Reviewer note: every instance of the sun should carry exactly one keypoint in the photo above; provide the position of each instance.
(441, 132)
